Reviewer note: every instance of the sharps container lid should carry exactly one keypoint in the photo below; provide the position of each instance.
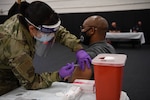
(116, 60)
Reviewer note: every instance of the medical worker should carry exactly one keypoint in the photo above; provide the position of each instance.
(26, 33)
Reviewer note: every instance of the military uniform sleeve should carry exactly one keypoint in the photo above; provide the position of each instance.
(68, 39)
(23, 69)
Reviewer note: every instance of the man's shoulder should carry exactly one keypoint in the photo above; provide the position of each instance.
(101, 47)
(95, 46)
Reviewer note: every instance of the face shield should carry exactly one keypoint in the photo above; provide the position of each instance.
(46, 32)
(46, 37)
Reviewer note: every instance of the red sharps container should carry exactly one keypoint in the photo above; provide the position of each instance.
(108, 71)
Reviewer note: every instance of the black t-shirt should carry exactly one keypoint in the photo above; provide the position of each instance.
(100, 47)
(137, 28)
(114, 28)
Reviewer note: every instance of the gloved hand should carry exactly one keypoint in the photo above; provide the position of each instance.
(83, 58)
(67, 70)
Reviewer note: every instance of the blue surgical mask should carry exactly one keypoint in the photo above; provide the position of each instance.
(45, 37)
(44, 43)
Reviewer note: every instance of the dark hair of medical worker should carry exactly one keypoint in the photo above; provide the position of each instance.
(44, 15)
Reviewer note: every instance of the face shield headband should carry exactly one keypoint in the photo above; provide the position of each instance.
(46, 28)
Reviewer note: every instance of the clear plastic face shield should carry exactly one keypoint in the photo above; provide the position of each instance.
(45, 37)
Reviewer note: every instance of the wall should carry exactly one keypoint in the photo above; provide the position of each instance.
(76, 6)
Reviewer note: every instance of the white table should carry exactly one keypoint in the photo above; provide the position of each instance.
(126, 35)
(48, 93)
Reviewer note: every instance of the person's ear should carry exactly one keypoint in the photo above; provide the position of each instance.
(93, 30)
(32, 30)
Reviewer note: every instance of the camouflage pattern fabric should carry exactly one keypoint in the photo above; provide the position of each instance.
(8, 81)
(17, 49)
(64, 37)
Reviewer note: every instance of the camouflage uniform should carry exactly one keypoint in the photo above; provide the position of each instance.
(17, 49)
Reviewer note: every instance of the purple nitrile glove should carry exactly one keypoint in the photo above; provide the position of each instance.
(83, 58)
(66, 70)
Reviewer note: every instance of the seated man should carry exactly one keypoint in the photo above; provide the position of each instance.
(93, 32)
(138, 27)
(114, 28)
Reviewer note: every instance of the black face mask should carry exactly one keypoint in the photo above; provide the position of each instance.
(84, 38)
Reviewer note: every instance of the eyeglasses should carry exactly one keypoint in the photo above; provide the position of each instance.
(82, 27)
(90, 27)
